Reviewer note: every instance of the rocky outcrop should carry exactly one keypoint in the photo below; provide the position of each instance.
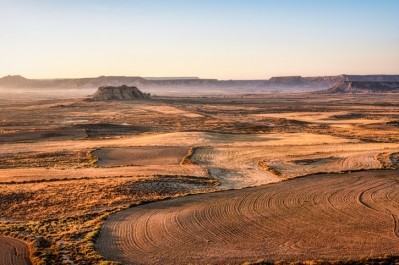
(119, 93)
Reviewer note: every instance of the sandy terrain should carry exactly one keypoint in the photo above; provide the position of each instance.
(68, 164)
(252, 165)
(342, 216)
(182, 138)
(140, 156)
(13, 252)
(165, 109)
(232, 159)
(343, 119)
(39, 174)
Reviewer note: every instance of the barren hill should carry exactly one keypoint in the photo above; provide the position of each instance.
(14, 81)
(119, 93)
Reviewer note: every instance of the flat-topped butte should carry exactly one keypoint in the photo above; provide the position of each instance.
(119, 93)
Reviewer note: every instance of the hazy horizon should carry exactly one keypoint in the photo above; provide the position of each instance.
(194, 77)
(206, 39)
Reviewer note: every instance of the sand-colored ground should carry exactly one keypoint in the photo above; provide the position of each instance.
(181, 138)
(66, 164)
(328, 217)
(232, 159)
(243, 166)
(13, 252)
(140, 156)
(343, 119)
(39, 174)
(217, 139)
(165, 109)
(115, 154)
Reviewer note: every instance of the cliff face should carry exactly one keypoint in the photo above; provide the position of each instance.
(119, 93)
(364, 87)
(371, 78)
(287, 80)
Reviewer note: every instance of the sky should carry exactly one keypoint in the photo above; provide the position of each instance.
(224, 39)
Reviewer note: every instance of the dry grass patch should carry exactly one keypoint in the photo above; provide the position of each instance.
(64, 198)
(60, 159)
(67, 215)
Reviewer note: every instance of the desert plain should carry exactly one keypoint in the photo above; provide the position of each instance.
(256, 179)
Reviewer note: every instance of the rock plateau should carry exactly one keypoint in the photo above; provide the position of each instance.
(119, 93)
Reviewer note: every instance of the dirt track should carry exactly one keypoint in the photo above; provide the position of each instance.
(13, 252)
(329, 216)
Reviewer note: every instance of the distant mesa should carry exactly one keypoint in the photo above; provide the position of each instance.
(363, 87)
(197, 86)
(123, 92)
(287, 80)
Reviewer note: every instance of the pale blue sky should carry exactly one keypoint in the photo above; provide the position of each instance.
(223, 39)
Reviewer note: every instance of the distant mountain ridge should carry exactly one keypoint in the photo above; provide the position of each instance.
(159, 84)
(95, 82)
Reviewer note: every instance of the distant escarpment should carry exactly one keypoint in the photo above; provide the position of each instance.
(193, 86)
(118, 93)
(363, 87)
(288, 81)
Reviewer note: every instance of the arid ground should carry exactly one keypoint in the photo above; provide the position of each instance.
(13, 251)
(282, 178)
(322, 217)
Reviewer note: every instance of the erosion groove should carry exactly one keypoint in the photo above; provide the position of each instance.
(325, 216)
(13, 252)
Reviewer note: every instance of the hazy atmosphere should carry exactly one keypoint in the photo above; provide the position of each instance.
(224, 39)
(206, 132)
